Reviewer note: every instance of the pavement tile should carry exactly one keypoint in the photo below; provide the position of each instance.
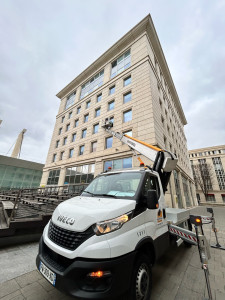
(33, 289)
(12, 296)
(8, 287)
(46, 285)
(186, 294)
(28, 278)
(219, 296)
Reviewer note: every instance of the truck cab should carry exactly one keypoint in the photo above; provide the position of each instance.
(101, 243)
(104, 242)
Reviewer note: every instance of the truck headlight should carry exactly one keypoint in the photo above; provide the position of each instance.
(111, 225)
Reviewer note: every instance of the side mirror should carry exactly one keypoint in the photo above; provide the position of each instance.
(152, 199)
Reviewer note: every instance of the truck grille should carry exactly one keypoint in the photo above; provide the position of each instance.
(66, 238)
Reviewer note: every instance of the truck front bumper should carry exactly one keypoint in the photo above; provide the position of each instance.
(72, 274)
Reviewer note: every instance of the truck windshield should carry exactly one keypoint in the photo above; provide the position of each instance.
(117, 185)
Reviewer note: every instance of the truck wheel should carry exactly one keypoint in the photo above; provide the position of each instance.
(141, 283)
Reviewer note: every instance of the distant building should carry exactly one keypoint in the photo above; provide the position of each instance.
(19, 173)
(214, 157)
(132, 86)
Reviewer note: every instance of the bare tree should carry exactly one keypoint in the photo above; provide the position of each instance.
(203, 176)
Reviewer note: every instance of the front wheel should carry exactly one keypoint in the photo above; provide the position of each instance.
(141, 283)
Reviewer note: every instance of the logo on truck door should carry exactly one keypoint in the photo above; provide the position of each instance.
(66, 220)
(159, 216)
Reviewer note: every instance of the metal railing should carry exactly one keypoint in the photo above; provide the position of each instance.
(33, 203)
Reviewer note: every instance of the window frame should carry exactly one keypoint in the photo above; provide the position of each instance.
(126, 111)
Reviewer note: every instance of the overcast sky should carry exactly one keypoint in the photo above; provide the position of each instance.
(46, 44)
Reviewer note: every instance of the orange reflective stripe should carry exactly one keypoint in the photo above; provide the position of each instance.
(143, 143)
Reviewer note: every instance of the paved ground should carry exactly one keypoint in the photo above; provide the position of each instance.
(178, 275)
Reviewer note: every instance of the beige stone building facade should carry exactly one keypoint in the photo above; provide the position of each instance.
(214, 157)
(130, 84)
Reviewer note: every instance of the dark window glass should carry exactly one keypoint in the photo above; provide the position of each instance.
(74, 137)
(81, 151)
(112, 90)
(127, 116)
(127, 81)
(97, 112)
(84, 132)
(127, 97)
(108, 142)
(95, 128)
(99, 97)
(111, 105)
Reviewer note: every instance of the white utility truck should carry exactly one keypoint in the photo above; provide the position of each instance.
(103, 243)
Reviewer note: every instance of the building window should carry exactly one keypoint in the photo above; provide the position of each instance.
(67, 127)
(121, 63)
(111, 120)
(60, 130)
(127, 116)
(99, 97)
(123, 163)
(54, 158)
(53, 177)
(76, 123)
(162, 120)
(108, 142)
(112, 90)
(70, 100)
(97, 112)
(220, 175)
(81, 150)
(95, 82)
(95, 128)
(64, 140)
(129, 133)
(86, 118)
(93, 146)
(74, 137)
(71, 153)
(223, 197)
(63, 118)
(127, 97)
(210, 198)
(83, 175)
(70, 114)
(78, 110)
(61, 155)
(88, 103)
(57, 144)
(127, 81)
(84, 132)
(111, 105)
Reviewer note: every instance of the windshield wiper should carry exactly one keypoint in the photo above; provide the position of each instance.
(88, 193)
(106, 195)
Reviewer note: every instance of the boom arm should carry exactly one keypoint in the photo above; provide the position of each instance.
(164, 162)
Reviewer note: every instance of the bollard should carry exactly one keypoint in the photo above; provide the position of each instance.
(214, 229)
(203, 249)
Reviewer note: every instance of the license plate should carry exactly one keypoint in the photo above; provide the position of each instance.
(47, 273)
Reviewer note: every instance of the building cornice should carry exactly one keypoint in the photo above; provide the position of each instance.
(219, 147)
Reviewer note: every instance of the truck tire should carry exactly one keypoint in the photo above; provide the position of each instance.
(141, 281)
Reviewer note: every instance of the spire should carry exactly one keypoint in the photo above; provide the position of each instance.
(17, 148)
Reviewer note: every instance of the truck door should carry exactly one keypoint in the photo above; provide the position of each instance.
(155, 222)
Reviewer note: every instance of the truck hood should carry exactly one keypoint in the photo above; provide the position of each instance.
(79, 213)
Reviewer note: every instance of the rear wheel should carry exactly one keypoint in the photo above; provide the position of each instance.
(141, 284)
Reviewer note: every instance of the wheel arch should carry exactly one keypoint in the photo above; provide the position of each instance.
(146, 246)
